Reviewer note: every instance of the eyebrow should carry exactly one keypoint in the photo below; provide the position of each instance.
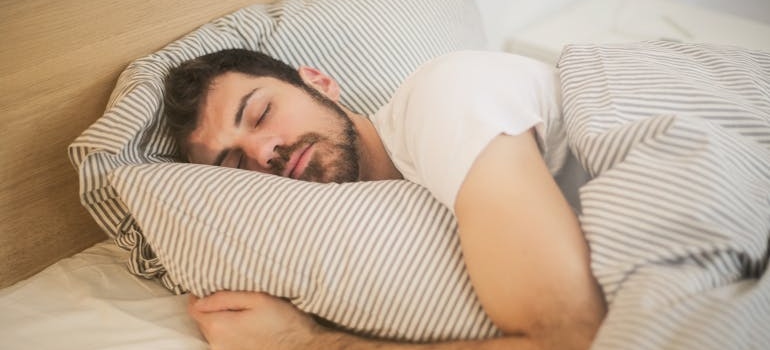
(242, 106)
(238, 117)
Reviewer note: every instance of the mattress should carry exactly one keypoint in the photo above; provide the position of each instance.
(91, 301)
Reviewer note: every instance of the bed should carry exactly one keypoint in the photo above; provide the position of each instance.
(89, 297)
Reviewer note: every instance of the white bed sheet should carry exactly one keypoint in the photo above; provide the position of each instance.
(91, 301)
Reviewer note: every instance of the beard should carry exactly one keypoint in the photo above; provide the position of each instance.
(335, 157)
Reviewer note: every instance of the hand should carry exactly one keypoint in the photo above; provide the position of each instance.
(252, 321)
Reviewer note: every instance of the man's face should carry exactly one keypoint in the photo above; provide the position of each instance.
(267, 125)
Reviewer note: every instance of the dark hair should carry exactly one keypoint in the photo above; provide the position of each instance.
(187, 85)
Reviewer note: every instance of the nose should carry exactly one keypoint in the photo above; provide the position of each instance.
(259, 150)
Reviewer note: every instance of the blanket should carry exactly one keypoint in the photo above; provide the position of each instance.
(676, 138)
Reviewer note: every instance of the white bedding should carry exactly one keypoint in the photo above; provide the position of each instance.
(91, 301)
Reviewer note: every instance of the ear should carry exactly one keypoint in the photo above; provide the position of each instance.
(320, 81)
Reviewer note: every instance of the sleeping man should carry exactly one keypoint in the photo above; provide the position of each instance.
(480, 130)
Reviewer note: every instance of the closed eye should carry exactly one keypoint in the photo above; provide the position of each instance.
(264, 114)
(241, 161)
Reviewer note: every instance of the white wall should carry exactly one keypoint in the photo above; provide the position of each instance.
(505, 16)
(758, 10)
(502, 17)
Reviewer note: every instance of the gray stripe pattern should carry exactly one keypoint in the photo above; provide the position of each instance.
(354, 41)
(378, 258)
(677, 138)
(340, 252)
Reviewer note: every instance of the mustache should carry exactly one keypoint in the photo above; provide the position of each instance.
(278, 164)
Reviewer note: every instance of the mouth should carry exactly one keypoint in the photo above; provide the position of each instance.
(299, 161)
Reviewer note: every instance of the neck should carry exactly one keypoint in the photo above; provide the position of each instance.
(374, 162)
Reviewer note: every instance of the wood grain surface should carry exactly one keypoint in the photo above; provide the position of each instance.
(59, 61)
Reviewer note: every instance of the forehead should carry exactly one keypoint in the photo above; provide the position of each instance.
(224, 95)
(229, 84)
(217, 111)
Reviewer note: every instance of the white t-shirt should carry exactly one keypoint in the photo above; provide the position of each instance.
(444, 114)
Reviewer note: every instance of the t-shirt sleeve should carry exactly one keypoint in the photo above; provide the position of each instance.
(459, 104)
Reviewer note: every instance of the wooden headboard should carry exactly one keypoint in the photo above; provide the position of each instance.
(59, 61)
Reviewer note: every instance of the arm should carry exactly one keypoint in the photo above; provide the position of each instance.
(525, 254)
(253, 321)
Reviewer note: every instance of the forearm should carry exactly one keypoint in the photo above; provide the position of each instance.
(337, 340)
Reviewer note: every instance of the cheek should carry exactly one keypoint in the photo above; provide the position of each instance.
(293, 127)
(333, 163)
(325, 154)
(325, 157)
(310, 118)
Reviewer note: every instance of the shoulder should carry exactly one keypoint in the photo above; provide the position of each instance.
(471, 75)
(482, 65)
(480, 77)
(483, 58)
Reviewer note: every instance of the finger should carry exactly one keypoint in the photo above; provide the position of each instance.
(191, 300)
(228, 301)
(205, 322)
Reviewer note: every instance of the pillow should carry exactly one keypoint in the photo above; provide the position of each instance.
(380, 258)
(369, 46)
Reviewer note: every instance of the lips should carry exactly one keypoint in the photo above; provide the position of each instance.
(298, 162)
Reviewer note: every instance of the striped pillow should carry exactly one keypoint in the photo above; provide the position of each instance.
(369, 46)
(379, 258)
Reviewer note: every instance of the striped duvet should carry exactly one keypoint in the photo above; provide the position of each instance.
(677, 215)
